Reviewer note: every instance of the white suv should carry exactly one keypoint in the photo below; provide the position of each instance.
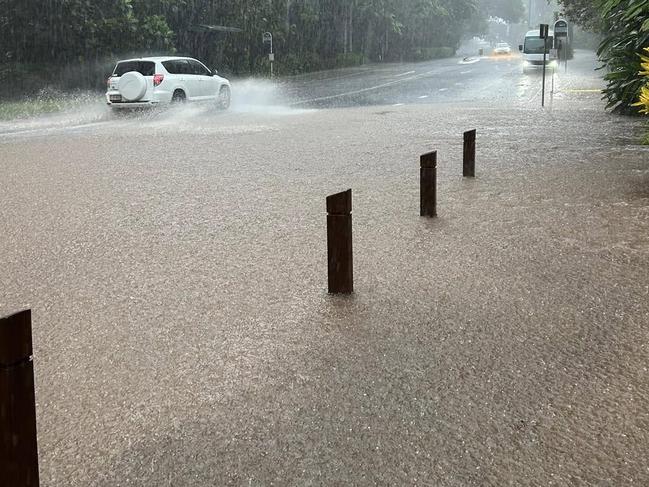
(154, 81)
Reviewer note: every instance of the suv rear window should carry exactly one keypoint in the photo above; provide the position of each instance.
(145, 68)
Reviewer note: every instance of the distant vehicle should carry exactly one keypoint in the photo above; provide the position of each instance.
(152, 81)
(532, 50)
(502, 48)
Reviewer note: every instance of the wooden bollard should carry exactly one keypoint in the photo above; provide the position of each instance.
(428, 184)
(468, 167)
(18, 446)
(339, 243)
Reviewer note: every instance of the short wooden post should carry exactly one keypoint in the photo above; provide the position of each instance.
(468, 170)
(339, 243)
(428, 184)
(18, 446)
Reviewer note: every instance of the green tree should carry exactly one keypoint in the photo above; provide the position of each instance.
(512, 11)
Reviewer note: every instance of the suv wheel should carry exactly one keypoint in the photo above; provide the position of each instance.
(179, 97)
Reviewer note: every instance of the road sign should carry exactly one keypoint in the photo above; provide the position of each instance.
(267, 38)
(544, 31)
(271, 56)
(561, 28)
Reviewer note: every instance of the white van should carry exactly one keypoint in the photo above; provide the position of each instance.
(532, 50)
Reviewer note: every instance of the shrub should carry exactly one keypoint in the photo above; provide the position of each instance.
(628, 35)
(429, 53)
(349, 59)
(643, 103)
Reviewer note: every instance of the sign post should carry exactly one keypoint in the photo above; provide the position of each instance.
(544, 33)
(561, 36)
(553, 55)
(267, 38)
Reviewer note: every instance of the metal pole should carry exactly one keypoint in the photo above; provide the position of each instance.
(566, 54)
(18, 442)
(545, 49)
(553, 71)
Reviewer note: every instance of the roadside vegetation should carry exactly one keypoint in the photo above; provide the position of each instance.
(44, 102)
(26, 108)
(74, 43)
(625, 26)
(643, 103)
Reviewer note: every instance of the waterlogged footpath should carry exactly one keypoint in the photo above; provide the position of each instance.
(176, 266)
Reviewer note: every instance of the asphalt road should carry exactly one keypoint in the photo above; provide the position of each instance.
(449, 80)
(176, 267)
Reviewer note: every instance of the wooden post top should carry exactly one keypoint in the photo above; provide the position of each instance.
(469, 133)
(429, 161)
(15, 338)
(340, 203)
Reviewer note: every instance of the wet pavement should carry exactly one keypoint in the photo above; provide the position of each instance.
(176, 268)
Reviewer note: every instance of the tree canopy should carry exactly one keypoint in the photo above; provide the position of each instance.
(308, 34)
(512, 11)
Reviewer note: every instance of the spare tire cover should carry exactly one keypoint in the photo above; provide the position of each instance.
(132, 86)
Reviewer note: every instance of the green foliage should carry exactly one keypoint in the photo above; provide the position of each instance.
(308, 34)
(429, 53)
(292, 64)
(510, 10)
(620, 50)
(349, 59)
(625, 25)
(586, 13)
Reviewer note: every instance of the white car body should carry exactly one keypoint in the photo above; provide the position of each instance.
(502, 48)
(151, 81)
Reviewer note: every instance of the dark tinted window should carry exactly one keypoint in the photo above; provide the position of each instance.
(145, 68)
(198, 68)
(178, 66)
(171, 66)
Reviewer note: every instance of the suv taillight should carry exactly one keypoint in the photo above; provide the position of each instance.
(157, 79)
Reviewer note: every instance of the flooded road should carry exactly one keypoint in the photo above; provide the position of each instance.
(176, 268)
(480, 81)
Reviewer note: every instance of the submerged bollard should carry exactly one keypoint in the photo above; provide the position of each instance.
(18, 445)
(468, 170)
(339, 243)
(428, 184)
